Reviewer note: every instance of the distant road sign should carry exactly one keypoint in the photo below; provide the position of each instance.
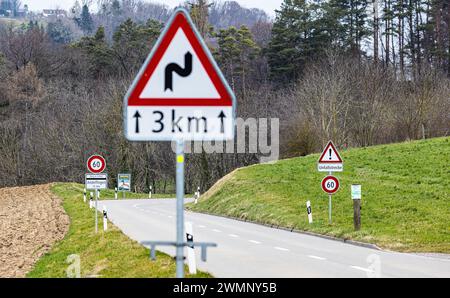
(356, 192)
(96, 164)
(330, 160)
(96, 181)
(180, 93)
(330, 185)
(124, 182)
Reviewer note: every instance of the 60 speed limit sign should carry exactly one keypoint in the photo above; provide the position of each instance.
(96, 164)
(330, 185)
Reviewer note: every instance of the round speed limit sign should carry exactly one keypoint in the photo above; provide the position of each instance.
(330, 185)
(96, 164)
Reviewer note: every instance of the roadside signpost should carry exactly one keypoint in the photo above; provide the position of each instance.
(330, 185)
(356, 197)
(124, 183)
(330, 161)
(97, 180)
(180, 95)
(96, 164)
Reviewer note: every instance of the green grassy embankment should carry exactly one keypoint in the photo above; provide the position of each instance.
(405, 195)
(110, 254)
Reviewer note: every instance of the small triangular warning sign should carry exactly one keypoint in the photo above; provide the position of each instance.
(180, 71)
(330, 154)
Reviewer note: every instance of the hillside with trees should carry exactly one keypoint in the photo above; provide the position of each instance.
(358, 72)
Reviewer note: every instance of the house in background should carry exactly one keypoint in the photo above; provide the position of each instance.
(54, 13)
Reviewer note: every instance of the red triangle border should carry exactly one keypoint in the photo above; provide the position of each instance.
(180, 21)
(330, 144)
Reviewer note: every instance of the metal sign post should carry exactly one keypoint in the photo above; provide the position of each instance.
(96, 211)
(330, 161)
(329, 203)
(180, 95)
(180, 208)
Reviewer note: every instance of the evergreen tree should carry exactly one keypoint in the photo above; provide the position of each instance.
(300, 33)
(85, 21)
(133, 42)
(237, 49)
(59, 32)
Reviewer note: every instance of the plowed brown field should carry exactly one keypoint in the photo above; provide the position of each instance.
(32, 219)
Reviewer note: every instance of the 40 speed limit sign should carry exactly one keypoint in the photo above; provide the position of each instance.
(96, 164)
(330, 185)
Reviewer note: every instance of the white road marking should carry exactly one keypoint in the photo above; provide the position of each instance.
(316, 257)
(362, 269)
(254, 241)
(233, 235)
(170, 216)
(201, 226)
(217, 231)
(281, 248)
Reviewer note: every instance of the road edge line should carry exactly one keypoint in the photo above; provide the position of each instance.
(273, 226)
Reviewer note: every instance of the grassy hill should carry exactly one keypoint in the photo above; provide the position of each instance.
(405, 195)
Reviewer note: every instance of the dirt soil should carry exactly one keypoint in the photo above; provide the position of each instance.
(32, 219)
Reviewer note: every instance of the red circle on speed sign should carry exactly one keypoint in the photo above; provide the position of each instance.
(96, 164)
(330, 185)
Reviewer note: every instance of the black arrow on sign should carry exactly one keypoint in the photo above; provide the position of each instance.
(183, 72)
(137, 116)
(222, 117)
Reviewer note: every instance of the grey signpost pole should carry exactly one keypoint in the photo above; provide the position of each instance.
(180, 208)
(329, 204)
(96, 215)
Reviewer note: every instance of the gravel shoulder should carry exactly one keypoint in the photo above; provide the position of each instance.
(32, 219)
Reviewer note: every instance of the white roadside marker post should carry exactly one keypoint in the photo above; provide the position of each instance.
(84, 195)
(90, 200)
(105, 219)
(309, 210)
(190, 249)
(150, 192)
(115, 193)
(98, 194)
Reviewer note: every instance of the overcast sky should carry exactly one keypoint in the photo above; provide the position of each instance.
(37, 5)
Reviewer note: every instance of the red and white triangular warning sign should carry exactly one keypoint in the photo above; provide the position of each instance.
(180, 93)
(330, 160)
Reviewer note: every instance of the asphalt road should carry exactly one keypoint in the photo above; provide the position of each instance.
(250, 251)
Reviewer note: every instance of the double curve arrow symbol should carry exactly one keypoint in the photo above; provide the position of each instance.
(175, 68)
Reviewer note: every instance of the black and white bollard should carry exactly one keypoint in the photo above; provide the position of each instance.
(309, 210)
(150, 192)
(115, 193)
(190, 248)
(197, 195)
(105, 219)
(91, 198)
(84, 195)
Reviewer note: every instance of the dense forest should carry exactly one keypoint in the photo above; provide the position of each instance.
(358, 72)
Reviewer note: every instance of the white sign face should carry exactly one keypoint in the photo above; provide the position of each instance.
(356, 192)
(330, 160)
(124, 182)
(96, 181)
(180, 93)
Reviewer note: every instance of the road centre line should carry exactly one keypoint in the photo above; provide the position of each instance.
(362, 269)
(254, 241)
(317, 258)
(281, 248)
